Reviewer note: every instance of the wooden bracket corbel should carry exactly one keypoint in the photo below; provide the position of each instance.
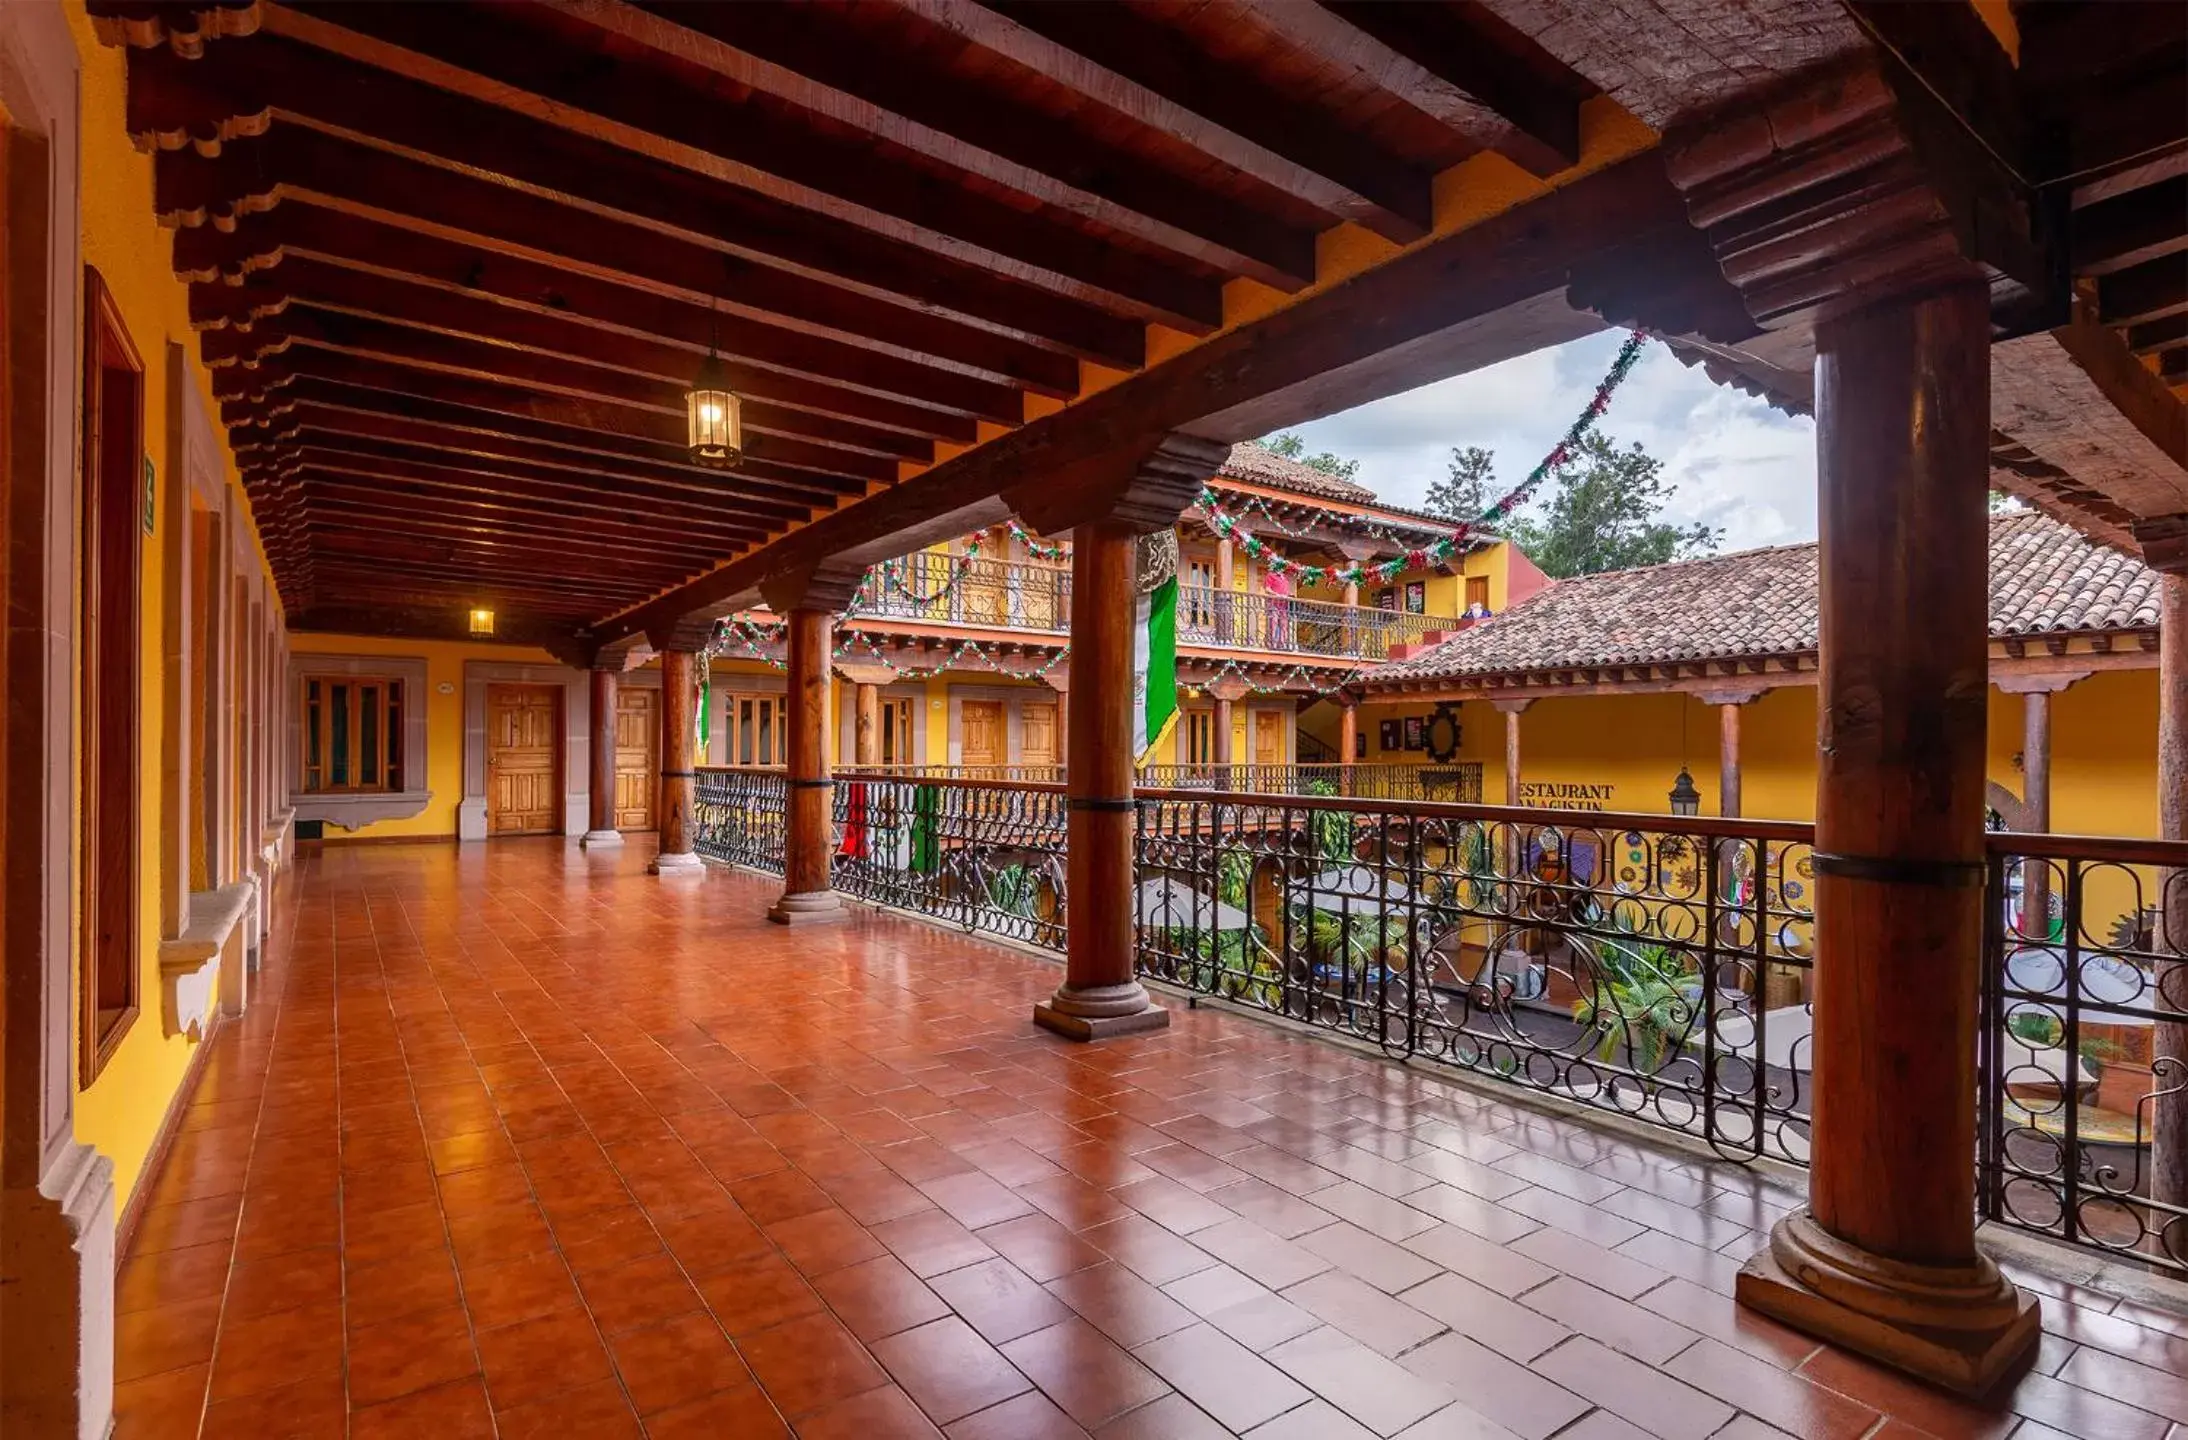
(1145, 485)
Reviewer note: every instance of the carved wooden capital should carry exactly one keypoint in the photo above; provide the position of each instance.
(1230, 687)
(688, 635)
(2164, 542)
(1513, 707)
(2040, 682)
(823, 585)
(1733, 694)
(1145, 486)
(865, 672)
(1850, 184)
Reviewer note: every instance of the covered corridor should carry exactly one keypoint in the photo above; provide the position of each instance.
(520, 1141)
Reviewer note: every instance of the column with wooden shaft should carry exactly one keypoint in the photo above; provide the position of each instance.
(1107, 507)
(1224, 609)
(1513, 851)
(2169, 1064)
(866, 728)
(809, 602)
(1227, 692)
(1883, 1259)
(2036, 809)
(679, 793)
(1728, 760)
(1348, 738)
(1059, 680)
(600, 831)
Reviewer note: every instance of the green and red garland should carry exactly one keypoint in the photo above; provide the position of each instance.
(1440, 550)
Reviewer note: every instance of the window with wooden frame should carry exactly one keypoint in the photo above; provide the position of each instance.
(1200, 737)
(757, 729)
(114, 497)
(352, 733)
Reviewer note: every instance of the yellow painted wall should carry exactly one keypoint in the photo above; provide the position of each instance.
(122, 1111)
(444, 662)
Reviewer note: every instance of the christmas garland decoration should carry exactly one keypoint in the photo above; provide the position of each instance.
(1317, 515)
(1440, 550)
(1037, 549)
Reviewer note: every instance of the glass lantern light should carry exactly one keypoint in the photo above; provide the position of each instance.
(713, 410)
(1685, 799)
(482, 622)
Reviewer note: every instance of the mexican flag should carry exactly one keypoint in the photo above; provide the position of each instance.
(1154, 667)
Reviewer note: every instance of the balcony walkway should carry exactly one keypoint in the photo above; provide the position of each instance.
(521, 1142)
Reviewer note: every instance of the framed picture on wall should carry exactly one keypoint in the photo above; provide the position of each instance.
(1386, 600)
(1413, 739)
(1390, 735)
(1416, 597)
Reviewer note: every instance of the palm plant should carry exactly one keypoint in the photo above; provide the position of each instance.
(1644, 1004)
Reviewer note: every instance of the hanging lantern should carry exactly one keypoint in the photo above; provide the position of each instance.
(482, 622)
(1685, 799)
(717, 428)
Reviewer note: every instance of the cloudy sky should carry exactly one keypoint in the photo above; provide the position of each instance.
(1736, 462)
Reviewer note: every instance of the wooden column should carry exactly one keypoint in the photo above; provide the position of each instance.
(679, 755)
(1101, 996)
(1884, 1260)
(1223, 729)
(2169, 1139)
(1348, 739)
(600, 831)
(1512, 710)
(866, 728)
(1728, 761)
(2036, 800)
(807, 896)
(1059, 680)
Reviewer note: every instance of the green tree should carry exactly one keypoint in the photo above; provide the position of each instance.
(1604, 514)
(1291, 447)
(1464, 493)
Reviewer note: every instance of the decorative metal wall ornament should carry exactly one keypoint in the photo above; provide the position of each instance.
(1440, 733)
(1156, 561)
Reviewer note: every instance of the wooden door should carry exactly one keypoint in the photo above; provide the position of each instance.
(637, 748)
(896, 733)
(980, 724)
(523, 759)
(1037, 731)
(1269, 747)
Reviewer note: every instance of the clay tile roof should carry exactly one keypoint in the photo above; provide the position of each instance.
(2044, 579)
(1261, 466)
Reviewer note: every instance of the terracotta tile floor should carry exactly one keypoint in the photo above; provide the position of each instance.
(521, 1142)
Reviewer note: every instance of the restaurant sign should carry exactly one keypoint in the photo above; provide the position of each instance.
(1565, 795)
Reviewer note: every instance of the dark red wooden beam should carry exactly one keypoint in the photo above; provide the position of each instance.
(649, 105)
(780, 260)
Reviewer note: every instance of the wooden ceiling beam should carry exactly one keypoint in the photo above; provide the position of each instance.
(432, 355)
(831, 69)
(369, 384)
(776, 259)
(425, 618)
(776, 404)
(404, 566)
(296, 189)
(1141, 68)
(512, 60)
(2131, 229)
(2151, 291)
(587, 317)
(645, 545)
(1459, 64)
(504, 482)
(2158, 335)
(328, 408)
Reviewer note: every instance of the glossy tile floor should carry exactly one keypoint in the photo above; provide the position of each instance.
(518, 1141)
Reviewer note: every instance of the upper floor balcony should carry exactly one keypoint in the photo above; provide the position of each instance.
(1032, 595)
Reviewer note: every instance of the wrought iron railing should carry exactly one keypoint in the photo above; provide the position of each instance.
(1037, 773)
(1458, 783)
(987, 855)
(740, 815)
(1235, 619)
(1641, 964)
(2084, 1044)
(969, 590)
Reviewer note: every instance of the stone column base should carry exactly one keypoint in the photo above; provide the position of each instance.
(810, 907)
(684, 863)
(1963, 1327)
(57, 1300)
(1100, 1012)
(601, 840)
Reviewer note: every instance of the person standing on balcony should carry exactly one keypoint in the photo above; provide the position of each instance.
(1278, 588)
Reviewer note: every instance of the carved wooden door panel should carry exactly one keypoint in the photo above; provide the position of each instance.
(637, 770)
(980, 723)
(1037, 721)
(896, 733)
(523, 751)
(1269, 738)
